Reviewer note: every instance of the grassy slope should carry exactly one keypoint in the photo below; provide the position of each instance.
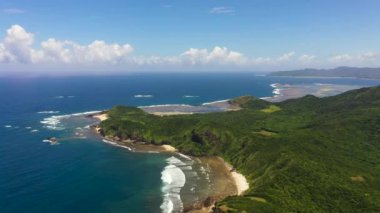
(298, 155)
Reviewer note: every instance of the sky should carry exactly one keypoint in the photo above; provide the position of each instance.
(123, 36)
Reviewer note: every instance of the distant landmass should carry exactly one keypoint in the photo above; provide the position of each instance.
(352, 72)
(301, 155)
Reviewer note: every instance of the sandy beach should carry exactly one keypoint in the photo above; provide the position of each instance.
(101, 116)
(224, 183)
(241, 182)
(169, 148)
(221, 185)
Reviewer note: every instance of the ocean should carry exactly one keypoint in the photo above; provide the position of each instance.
(84, 174)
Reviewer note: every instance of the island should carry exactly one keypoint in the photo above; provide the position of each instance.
(308, 154)
(349, 72)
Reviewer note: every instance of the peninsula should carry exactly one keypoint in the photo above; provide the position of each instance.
(349, 72)
(302, 155)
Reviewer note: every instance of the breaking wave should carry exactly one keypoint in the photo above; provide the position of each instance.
(274, 85)
(185, 156)
(174, 179)
(48, 112)
(143, 96)
(116, 144)
(51, 143)
(61, 96)
(214, 102)
(55, 122)
(190, 96)
(276, 91)
(266, 98)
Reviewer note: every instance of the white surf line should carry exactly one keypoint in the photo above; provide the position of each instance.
(173, 179)
(48, 112)
(116, 144)
(54, 122)
(143, 96)
(215, 102)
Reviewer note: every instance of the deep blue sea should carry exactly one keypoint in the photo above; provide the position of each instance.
(86, 174)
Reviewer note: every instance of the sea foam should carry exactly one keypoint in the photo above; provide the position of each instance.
(54, 122)
(48, 112)
(116, 144)
(173, 179)
(215, 102)
(143, 96)
(190, 96)
(276, 91)
(185, 156)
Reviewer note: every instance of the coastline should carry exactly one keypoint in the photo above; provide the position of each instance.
(321, 77)
(228, 181)
(102, 116)
(240, 180)
(282, 92)
(128, 144)
(241, 185)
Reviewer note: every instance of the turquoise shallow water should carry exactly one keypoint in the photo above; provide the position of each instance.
(87, 175)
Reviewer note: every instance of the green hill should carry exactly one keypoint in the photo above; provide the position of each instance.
(303, 155)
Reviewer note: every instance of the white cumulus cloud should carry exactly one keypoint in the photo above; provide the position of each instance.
(370, 56)
(306, 58)
(341, 58)
(219, 55)
(17, 46)
(286, 57)
(362, 59)
(96, 52)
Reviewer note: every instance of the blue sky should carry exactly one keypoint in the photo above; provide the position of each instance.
(326, 32)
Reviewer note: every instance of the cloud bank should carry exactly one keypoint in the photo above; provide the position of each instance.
(17, 47)
(13, 11)
(222, 10)
(18, 50)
